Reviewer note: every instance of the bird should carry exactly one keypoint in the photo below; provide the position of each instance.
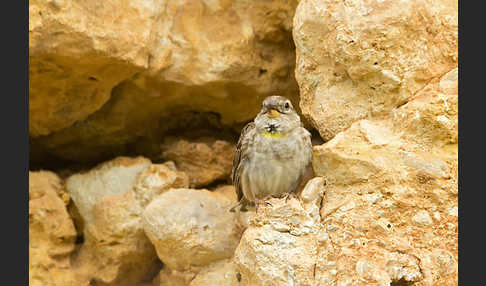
(272, 155)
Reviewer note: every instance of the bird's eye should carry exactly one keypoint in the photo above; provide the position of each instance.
(287, 105)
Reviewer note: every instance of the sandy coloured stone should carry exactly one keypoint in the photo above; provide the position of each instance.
(191, 227)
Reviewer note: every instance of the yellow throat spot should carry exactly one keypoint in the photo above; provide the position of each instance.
(273, 135)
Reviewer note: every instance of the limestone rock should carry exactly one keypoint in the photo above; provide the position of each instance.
(113, 177)
(361, 59)
(110, 199)
(76, 57)
(431, 117)
(228, 191)
(202, 162)
(158, 178)
(222, 273)
(391, 184)
(116, 250)
(51, 232)
(118, 75)
(279, 247)
(173, 277)
(191, 227)
(312, 197)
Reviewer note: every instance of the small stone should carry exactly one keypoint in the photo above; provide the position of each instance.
(422, 218)
(437, 216)
(453, 211)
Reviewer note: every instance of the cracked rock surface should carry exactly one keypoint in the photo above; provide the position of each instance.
(143, 100)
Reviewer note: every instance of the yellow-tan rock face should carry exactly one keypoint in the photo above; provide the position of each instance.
(51, 232)
(279, 246)
(361, 59)
(110, 199)
(191, 228)
(78, 51)
(390, 206)
(174, 79)
(101, 81)
(222, 273)
(203, 162)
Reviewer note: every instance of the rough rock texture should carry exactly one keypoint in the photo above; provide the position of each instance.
(105, 77)
(203, 162)
(175, 79)
(173, 277)
(191, 228)
(378, 79)
(222, 273)
(110, 199)
(78, 51)
(390, 203)
(279, 246)
(51, 232)
(361, 59)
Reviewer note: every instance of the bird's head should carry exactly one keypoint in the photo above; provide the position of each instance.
(277, 117)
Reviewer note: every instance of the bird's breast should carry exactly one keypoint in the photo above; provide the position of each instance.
(276, 164)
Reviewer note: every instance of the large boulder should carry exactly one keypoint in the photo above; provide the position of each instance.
(378, 80)
(391, 195)
(362, 59)
(78, 52)
(106, 81)
(191, 228)
(110, 199)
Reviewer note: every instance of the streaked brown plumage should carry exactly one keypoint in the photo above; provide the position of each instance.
(272, 154)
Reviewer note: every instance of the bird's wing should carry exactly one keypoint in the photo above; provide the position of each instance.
(240, 158)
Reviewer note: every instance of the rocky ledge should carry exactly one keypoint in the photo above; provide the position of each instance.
(153, 94)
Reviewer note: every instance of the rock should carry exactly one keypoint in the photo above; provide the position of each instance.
(173, 278)
(108, 87)
(429, 165)
(51, 232)
(378, 80)
(203, 163)
(312, 197)
(279, 247)
(422, 218)
(116, 250)
(155, 180)
(191, 227)
(76, 57)
(228, 191)
(113, 177)
(384, 178)
(431, 117)
(363, 59)
(222, 273)
(340, 164)
(439, 267)
(110, 199)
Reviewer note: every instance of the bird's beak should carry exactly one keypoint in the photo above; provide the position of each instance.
(273, 113)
